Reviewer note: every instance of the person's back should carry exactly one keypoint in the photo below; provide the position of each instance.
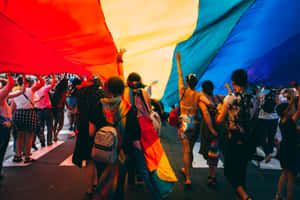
(241, 110)
(190, 101)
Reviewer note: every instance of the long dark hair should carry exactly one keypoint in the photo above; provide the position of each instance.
(59, 90)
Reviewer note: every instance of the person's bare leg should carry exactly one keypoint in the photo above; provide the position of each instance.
(60, 126)
(19, 143)
(28, 144)
(242, 193)
(290, 185)
(90, 175)
(281, 182)
(187, 160)
(212, 171)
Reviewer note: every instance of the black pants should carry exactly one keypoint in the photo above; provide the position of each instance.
(46, 118)
(236, 156)
(266, 130)
(4, 139)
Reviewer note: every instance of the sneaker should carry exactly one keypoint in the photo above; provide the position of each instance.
(49, 143)
(34, 147)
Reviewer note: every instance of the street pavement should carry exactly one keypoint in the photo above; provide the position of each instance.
(53, 176)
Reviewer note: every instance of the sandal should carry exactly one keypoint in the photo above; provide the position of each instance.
(17, 159)
(29, 160)
(182, 171)
(212, 182)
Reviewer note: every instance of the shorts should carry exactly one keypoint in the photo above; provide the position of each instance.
(26, 120)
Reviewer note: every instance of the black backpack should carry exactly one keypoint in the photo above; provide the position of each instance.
(269, 102)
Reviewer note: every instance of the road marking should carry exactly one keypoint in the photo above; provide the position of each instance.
(68, 162)
(199, 161)
(35, 155)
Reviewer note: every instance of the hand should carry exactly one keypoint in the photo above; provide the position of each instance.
(10, 78)
(153, 83)
(227, 85)
(7, 124)
(121, 52)
(215, 133)
(178, 55)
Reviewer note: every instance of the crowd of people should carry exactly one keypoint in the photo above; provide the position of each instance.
(234, 125)
(112, 121)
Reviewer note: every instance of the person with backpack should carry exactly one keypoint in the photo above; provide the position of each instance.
(114, 128)
(189, 127)
(237, 112)
(148, 151)
(88, 95)
(267, 121)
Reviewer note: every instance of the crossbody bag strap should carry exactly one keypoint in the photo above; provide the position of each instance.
(28, 99)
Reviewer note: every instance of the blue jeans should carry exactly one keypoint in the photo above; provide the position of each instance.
(142, 169)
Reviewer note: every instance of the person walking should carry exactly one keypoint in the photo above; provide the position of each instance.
(188, 131)
(237, 112)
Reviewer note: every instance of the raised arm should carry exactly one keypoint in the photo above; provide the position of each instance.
(7, 88)
(228, 88)
(38, 85)
(19, 92)
(120, 61)
(180, 75)
(53, 82)
(207, 118)
(296, 116)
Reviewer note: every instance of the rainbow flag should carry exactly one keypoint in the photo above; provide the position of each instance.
(157, 162)
(215, 37)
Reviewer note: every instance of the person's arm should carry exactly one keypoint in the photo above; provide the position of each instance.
(120, 61)
(92, 129)
(228, 88)
(223, 113)
(296, 116)
(84, 82)
(180, 76)
(66, 103)
(53, 82)
(7, 88)
(19, 92)
(205, 100)
(38, 85)
(207, 118)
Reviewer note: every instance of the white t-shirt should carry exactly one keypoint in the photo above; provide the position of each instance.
(22, 102)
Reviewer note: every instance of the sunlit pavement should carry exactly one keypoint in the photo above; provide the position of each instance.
(53, 176)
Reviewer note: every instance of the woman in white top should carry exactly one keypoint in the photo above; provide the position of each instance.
(25, 119)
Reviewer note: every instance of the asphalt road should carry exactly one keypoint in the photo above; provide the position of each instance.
(53, 176)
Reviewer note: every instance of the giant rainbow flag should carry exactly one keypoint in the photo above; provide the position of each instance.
(214, 37)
